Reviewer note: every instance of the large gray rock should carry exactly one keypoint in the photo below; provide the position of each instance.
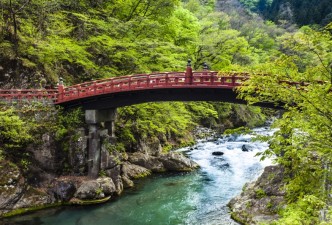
(95, 189)
(177, 162)
(261, 199)
(63, 190)
(133, 171)
(127, 183)
(150, 162)
(115, 175)
(89, 190)
(107, 185)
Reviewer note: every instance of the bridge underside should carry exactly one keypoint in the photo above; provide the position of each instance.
(120, 99)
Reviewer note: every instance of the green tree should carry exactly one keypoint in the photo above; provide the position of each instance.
(14, 132)
(300, 79)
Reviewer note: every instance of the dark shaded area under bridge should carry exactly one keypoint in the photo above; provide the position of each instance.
(120, 99)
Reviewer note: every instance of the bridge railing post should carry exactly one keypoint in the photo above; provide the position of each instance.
(148, 81)
(61, 89)
(189, 73)
(166, 79)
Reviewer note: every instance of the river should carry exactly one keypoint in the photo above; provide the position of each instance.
(193, 198)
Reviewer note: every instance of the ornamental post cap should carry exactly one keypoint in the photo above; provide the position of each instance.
(189, 63)
(205, 66)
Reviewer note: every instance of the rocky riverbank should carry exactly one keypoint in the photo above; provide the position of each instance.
(52, 171)
(17, 196)
(261, 199)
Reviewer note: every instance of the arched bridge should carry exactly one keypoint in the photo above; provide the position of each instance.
(128, 90)
(174, 86)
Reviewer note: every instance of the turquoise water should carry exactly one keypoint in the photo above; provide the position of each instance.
(199, 197)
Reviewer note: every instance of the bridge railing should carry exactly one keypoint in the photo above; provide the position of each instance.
(150, 81)
(211, 78)
(28, 94)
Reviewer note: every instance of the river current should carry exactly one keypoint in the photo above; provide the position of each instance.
(197, 198)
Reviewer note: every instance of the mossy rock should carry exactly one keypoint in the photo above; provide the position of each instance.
(77, 201)
(21, 211)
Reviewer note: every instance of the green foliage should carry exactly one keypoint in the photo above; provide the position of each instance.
(239, 130)
(170, 123)
(67, 121)
(260, 193)
(203, 112)
(303, 142)
(14, 132)
(164, 121)
(305, 211)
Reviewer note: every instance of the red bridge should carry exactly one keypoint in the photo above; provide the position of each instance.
(128, 90)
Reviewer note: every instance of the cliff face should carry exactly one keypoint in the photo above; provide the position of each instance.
(58, 176)
(260, 200)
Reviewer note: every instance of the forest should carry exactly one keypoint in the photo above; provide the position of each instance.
(276, 41)
(301, 12)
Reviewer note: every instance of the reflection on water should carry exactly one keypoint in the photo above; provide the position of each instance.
(199, 197)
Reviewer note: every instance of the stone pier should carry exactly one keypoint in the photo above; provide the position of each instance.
(98, 120)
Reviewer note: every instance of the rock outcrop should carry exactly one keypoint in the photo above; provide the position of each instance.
(95, 189)
(177, 162)
(63, 190)
(42, 187)
(164, 162)
(16, 194)
(45, 153)
(260, 200)
(133, 171)
(115, 175)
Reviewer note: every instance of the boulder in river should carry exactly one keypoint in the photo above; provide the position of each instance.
(133, 171)
(95, 189)
(89, 190)
(177, 162)
(150, 162)
(247, 148)
(63, 190)
(115, 174)
(127, 183)
(217, 153)
(164, 162)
